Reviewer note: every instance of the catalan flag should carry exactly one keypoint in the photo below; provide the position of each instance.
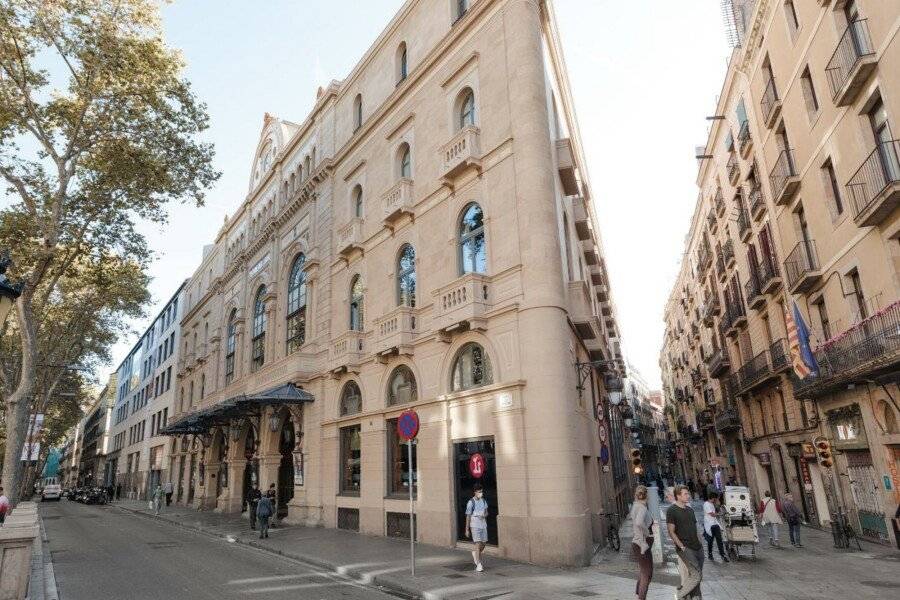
(802, 358)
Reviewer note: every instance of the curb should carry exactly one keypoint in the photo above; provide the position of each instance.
(403, 591)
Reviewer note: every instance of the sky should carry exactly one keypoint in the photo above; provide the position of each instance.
(645, 74)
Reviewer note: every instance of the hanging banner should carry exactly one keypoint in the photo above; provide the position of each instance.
(32, 446)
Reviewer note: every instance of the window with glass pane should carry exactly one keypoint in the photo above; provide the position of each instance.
(401, 386)
(467, 110)
(229, 348)
(356, 304)
(399, 475)
(406, 277)
(296, 319)
(472, 368)
(258, 357)
(473, 255)
(358, 202)
(403, 66)
(351, 459)
(405, 166)
(351, 399)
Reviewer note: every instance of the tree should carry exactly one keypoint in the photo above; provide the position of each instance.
(98, 130)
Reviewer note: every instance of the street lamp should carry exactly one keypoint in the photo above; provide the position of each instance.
(8, 291)
(274, 421)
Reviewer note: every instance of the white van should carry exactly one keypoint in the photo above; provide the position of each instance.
(51, 489)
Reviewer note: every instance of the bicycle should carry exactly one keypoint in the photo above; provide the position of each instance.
(612, 531)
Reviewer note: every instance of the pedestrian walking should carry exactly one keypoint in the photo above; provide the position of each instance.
(476, 524)
(253, 497)
(681, 524)
(272, 494)
(711, 527)
(168, 488)
(642, 541)
(770, 516)
(4, 506)
(264, 511)
(157, 499)
(793, 516)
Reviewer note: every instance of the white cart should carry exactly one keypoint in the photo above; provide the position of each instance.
(741, 535)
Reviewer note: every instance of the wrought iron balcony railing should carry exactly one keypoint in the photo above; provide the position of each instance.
(875, 187)
(770, 104)
(743, 222)
(802, 266)
(784, 178)
(851, 61)
(728, 420)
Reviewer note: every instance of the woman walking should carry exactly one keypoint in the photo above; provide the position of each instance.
(642, 541)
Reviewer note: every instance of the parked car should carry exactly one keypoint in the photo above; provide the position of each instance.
(51, 491)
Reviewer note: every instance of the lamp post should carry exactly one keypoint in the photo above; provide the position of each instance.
(8, 291)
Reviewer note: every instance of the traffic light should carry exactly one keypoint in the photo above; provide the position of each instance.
(636, 465)
(823, 450)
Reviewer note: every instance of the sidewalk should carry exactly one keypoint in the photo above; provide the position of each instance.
(816, 571)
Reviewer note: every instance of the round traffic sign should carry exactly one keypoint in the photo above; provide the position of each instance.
(408, 425)
(477, 465)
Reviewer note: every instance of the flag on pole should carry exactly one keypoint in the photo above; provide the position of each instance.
(802, 358)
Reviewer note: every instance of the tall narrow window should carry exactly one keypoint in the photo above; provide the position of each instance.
(351, 460)
(832, 187)
(823, 319)
(357, 202)
(790, 13)
(460, 10)
(296, 319)
(202, 387)
(229, 348)
(402, 64)
(406, 277)
(357, 112)
(467, 109)
(258, 355)
(400, 475)
(356, 304)
(404, 162)
(809, 94)
(858, 297)
(473, 255)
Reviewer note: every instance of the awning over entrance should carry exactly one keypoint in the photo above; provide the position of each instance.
(245, 405)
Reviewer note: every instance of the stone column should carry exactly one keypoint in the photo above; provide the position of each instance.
(268, 471)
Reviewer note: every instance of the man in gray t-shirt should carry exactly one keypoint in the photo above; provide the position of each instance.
(476, 524)
(681, 524)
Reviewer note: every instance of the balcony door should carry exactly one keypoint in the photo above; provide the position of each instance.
(884, 141)
(767, 249)
(851, 12)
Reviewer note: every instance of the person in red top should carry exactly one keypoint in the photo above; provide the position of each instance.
(4, 506)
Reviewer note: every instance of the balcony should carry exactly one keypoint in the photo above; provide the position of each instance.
(583, 227)
(756, 299)
(756, 201)
(802, 267)
(397, 202)
(704, 259)
(347, 352)
(719, 202)
(711, 220)
(733, 169)
(696, 377)
(728, 253)
(705, 420)
(460, 153)
(349, 238)
(779, 358)
(566, 165)
(851, 64)
(738, 314)
(769, 276)
(875, 187)
(754, 373)
(720, 266)
(710, 309)
(770, 104)
(868, 350)
(718, 363)
(745, 139)
(581, 311)
(743, 223)
(462, 304)
(728, 420)
(784, 178)
(395, 332)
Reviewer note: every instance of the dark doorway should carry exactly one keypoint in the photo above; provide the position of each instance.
(465, 482)
(286, 469)
(190, 497)
(180, 493)
(251, 469)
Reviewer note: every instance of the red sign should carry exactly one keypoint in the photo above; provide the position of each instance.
(408, 425)
(477, 465)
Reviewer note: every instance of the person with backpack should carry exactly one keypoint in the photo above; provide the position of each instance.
(264, 511)
(770, 516)
(793, 516)
(476, 524)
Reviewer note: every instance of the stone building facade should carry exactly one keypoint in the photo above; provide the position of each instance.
(799, 186)
(424, 239)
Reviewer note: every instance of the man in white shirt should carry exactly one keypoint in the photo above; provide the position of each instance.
(712, 528)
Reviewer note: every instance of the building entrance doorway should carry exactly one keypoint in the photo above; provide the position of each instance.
(251, 468)
(470, 469)
(192, 475)
(179, 494)
(286, 469)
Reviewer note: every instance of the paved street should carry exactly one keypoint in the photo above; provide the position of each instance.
(104, 552)
(90, 557)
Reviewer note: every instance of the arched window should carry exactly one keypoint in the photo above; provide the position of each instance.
(472, 251)
(202, 386)
(357, 197)
(467, 109)
(404, 162)
(351, 399)
(357, 112)
(258, 354)
(401, 386)
(296, 309)
(406, 277)
(460, 10)
(402, 65)
(229, 347)
(471, 369)
(356, 304)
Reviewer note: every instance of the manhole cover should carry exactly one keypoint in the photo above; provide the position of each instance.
(882, 584)
(158, 545)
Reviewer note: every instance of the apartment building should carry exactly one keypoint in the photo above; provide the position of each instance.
(140, 456)
(94, 431)
(799, 183)
(425, 239)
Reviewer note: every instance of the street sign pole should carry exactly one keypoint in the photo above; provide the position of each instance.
(412, 513)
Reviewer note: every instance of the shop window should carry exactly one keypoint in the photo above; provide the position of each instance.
(398, 467)
(351, 460)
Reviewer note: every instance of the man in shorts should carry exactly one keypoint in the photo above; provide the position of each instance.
(476, 524)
